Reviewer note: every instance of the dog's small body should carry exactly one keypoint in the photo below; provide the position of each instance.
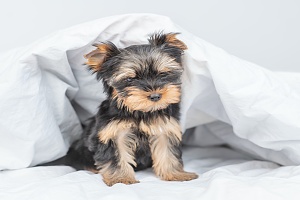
(137, 126)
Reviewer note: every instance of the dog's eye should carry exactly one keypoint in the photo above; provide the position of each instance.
(129, 80)
(163, 75)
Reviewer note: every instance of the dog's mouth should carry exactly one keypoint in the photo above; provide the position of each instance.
(148, 101)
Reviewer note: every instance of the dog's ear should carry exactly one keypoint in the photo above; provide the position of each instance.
(97, 57)
(160, 39)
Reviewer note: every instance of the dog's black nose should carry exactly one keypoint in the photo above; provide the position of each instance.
(155, 97)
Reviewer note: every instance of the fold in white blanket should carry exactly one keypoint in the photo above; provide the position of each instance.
(46, 93)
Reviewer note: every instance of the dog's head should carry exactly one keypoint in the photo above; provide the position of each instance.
(141, 77)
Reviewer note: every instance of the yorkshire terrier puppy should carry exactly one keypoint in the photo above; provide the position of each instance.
(137, 126)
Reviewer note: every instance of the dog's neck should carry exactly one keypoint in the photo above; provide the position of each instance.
(171, 110)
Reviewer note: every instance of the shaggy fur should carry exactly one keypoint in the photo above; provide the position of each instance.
(137, 126)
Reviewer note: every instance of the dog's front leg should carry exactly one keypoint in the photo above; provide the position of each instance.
(116, 158)
(165, 145)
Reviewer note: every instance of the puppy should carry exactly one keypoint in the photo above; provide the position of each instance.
(137, 126)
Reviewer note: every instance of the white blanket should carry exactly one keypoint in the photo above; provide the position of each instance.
(46, 93)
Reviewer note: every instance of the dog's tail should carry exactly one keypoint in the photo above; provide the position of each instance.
(77, 157)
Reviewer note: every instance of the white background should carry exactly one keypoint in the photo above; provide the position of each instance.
(266, 32)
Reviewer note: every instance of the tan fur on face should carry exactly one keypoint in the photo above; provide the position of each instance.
(122, 73)
(116, 96)
(162, 62)
(138, 99)
(166, 64)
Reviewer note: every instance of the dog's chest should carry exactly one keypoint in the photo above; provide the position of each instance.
(159, 125)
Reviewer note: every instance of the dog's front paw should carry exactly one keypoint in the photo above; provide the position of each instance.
(180, 176)
(127, 181)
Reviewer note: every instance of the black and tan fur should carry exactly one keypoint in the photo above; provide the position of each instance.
(137, 126)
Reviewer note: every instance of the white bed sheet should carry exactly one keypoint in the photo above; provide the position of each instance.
(224, 175)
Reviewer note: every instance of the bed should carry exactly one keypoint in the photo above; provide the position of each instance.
(241, 121)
